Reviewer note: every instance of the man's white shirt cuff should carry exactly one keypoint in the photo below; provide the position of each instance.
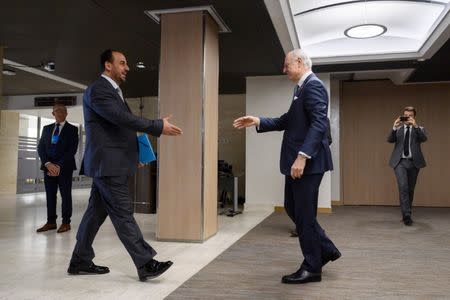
(304, 154)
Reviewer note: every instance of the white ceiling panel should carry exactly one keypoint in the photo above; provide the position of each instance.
(321, 25)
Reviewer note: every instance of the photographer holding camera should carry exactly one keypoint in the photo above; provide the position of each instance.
(407, 158)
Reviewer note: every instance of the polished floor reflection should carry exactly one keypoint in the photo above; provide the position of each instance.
(34, 265)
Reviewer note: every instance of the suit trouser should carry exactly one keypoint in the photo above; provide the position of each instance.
(301, 197)
(64, 182)
(110, 196)
(406, 173)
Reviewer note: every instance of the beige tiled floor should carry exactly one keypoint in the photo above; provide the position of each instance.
(33, 266)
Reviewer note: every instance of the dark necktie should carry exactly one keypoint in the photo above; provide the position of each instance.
(296, 89)
(406, 143)
(119, 91)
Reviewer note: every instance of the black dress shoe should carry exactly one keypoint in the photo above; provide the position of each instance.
(294, 233)
(335, 255)
(407, 221)
(301, 276)
(153, 269)
(75, 269)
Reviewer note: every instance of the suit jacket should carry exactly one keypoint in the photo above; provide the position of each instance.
(305, 128)
(66, 147)
(330, 139)
(417, 136)
(111, 141)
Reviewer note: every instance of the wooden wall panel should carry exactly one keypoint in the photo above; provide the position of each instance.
(368, 110)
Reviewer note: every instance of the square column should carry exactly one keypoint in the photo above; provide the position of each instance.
(188, 89)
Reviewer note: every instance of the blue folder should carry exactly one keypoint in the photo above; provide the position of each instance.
(146, 154)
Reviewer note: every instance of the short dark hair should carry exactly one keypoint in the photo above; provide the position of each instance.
(410, 108)
(106, 56)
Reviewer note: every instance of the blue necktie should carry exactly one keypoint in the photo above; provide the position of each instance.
(54, 141)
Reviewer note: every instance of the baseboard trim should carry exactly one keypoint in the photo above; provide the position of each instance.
(278, 209)
(320, 210)
(324, 210)
(337, 203)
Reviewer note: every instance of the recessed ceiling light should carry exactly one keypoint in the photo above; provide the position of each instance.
(50, 66)
(365, 31)
(421, 59)
(8, 72)
(140, 65)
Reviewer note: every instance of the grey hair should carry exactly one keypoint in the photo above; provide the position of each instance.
(299, 53)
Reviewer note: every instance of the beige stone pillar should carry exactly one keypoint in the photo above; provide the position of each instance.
(1, 77)
(9, 142)
(188, 89)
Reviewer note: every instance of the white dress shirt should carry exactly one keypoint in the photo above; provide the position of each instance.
(61, 125)
(300, 83)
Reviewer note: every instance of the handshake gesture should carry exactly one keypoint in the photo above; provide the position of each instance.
(170, 129)
(246, 121)
(297, 167)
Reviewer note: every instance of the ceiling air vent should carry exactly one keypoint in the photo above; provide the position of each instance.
(51, 100)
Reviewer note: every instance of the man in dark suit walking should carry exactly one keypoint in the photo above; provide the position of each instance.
(110, 157)
(407, 158)
(330, 141)
(305, 157)
(57, 148)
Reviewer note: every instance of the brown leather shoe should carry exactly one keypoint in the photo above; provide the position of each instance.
(46, 227)
(63, 228)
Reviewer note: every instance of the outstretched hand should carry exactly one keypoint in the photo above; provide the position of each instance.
(246, 121)
(170, 129)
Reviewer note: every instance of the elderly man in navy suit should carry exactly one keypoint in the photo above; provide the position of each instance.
(110, 157)
(305, 157)
(57, 148)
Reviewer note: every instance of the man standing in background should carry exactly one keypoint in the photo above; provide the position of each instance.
(407, 158)
(57, 148)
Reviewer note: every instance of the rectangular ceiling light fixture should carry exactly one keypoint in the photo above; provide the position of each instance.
(155, 15)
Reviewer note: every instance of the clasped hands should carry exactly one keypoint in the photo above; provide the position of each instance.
(297, 167)
(53, 170)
